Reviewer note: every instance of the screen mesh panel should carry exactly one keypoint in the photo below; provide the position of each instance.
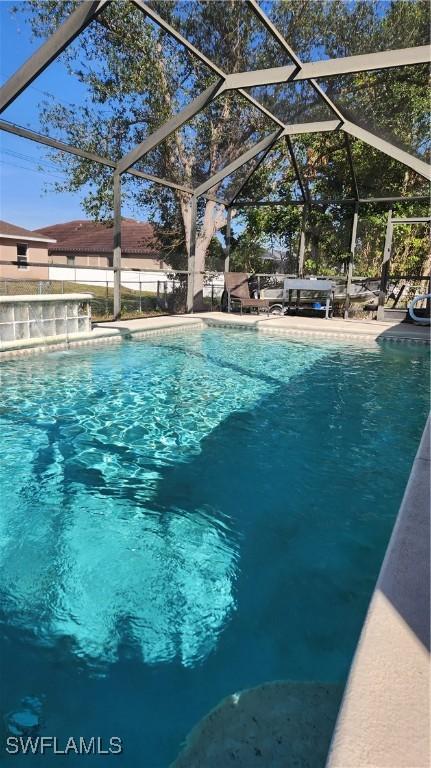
(101, 94)
(391, 103)
(228, 33)
(292, 102)
(379, 175)
(324, 165)
(275, 178)
(229, 187)
(335, 28)
(224, 130)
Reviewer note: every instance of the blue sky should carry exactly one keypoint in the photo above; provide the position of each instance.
(27, 172)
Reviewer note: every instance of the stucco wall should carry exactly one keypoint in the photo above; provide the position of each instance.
(35, 252)
(104, 261)
(39, 253)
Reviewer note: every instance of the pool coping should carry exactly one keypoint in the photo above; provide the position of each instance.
(103, 333)
(11, 298)
(318, 327)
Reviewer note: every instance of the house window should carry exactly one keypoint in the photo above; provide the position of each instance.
(70, 260)
(21, 255)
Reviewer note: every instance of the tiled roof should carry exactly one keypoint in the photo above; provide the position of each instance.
(11, 230)
(83, 236)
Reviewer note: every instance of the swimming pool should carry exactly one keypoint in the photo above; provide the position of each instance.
(191, 515)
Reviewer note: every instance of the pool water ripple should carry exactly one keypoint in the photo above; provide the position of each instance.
(187, 516)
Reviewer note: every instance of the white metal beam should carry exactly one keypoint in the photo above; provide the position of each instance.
(413, 220)
(329, 67)
(320, 126)
(389, 149)
(261, 146)
(169, 127)
(54, 45)
(402, 57)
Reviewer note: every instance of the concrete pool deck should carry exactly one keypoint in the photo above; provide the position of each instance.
(111, 332)
(337, 327)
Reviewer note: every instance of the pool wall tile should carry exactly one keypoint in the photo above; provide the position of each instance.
(40, 317)
(6, 313)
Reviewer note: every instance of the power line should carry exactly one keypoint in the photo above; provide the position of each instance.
(42, 170)
(31, 158)
(53, 96)
(56, 98)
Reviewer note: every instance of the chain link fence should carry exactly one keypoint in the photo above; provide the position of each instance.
(402, 290)
(140, 298)
(146, 296)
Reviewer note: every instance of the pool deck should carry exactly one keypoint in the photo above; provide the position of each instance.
(336, 328)
(314, 326)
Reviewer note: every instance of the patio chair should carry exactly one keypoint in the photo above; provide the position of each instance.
(238, 292)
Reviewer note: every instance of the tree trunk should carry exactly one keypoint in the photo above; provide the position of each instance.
(214, 218)
(200, 253)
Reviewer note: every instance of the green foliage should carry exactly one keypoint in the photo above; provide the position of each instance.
(392, 103)
(248, 256)
(136, 77)
(215, 256)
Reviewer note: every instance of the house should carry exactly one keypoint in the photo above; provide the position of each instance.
(22, 246)
(84, 243)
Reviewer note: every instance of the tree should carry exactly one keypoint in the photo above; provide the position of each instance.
(136, 76)
(392, 103)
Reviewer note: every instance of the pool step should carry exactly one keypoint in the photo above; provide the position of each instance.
(281, 723)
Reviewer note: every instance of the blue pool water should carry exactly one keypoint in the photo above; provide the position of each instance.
(187, 516)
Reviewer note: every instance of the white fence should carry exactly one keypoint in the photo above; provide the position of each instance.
(156, 282)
